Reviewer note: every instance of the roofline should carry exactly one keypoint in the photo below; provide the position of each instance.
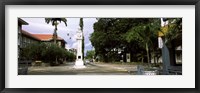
(52, 39)
(29, 35)
(22, 21)
(49, 38)
(36, 38)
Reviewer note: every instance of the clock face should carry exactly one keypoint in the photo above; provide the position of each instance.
(79, 35)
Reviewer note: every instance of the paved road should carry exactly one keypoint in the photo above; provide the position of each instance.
(91, 69)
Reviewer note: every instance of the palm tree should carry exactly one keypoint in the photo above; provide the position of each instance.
(144, 32)
(81, 26)
(144, 35)
(54, 22)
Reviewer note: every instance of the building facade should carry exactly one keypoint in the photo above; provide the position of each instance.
(25, 38)
(48, 38)
(20, 23)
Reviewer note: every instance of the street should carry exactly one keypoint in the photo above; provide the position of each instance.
(91, 69)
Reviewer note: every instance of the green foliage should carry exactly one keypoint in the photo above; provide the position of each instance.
(90, 54)
(33, 51)
(108, 35)
(145, 32)
(46, 52)
(129, 34)
(54, 22)
(83, 44)
(83, 47)
(141, 56)
(81, 23)
(174, 33)
(70, 57)
(137, 36)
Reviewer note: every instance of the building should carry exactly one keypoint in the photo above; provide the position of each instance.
(171, 48)
(25, 38)
(176, 48)
(49, 39)
(20, 23)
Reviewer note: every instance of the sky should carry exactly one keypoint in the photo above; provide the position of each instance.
(39, 26)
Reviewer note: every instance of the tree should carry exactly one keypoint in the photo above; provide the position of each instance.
(46, 52)
(172, 37)
(174, 32)
(90, 54)
(33, 51)
(107, 37)
(145, 31)
(132, 35)
(54, 22)
(98, 41)
(83, 44)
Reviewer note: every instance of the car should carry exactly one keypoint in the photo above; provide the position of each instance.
(91, 60)
(87, 61)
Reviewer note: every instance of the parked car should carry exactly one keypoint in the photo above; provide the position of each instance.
(87, 61)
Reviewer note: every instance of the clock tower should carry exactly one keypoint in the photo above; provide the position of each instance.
(79, 57)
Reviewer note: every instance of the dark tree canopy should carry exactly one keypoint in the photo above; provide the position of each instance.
(109, 34)
(131, 35)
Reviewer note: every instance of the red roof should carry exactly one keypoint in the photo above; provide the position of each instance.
(41, 37)
(46, 37)
(29, 35)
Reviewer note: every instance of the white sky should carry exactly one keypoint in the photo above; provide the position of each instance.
(38, 26)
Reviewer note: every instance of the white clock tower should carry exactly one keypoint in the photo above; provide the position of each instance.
(79, 57)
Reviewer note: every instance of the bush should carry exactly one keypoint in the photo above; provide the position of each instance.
(46, 52)
(32, 51)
